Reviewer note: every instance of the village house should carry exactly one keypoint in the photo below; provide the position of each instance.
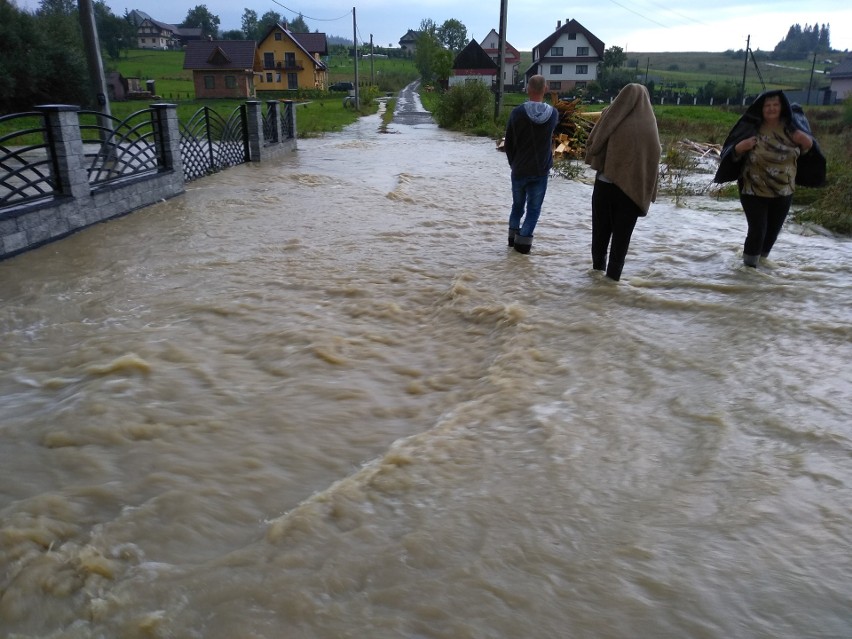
(568, 58)
(841, 80)
(223, 68)
(153, 34)
(408, 42)
(511, 61)
(472, 64)
(292, 61)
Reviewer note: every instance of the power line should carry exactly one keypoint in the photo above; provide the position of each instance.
(644, 17)
(345, 15)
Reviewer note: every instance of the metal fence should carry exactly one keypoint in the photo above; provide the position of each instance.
(115, 149)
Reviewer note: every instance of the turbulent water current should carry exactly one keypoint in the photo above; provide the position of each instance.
(319, 398)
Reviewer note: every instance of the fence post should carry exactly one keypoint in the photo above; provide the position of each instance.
(254, 125)
(65, 142)
(168, 138)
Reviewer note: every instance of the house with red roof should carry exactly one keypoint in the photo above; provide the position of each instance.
(569, 58)
(223, 68)
(512, 58)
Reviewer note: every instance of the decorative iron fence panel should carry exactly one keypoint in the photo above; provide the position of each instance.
(270, 125)
(210, 143)
(118, 148)
(288, 121)
(27, 170)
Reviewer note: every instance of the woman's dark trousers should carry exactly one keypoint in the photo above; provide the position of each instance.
(614, 217)
(765, 217)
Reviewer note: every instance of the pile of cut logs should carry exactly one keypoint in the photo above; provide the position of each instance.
(572, 129)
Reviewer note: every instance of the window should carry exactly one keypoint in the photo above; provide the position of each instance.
(582, 69)
(555, 51)
(278, 77)
(230, 82)
(268, 60)
(554, 86)
(572, 36)
(582, 50)
(292, 80)
(555, 69)
(269, 77)
(209, 82)
(290, 60)
(277, 35)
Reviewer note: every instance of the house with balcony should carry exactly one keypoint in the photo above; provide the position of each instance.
(292, 61)
(223, 68)
(153, 34)
(569, 58)
(511, 60)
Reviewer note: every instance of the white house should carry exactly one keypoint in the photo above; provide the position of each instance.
(511, 61)
(568, 58)
(472, 64)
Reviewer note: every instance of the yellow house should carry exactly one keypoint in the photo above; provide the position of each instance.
(292, 61)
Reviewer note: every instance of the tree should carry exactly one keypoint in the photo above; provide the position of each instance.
(200, 16)
(114, 33)
(452, 35)
(34, 67)
(442, 64)
(57, 7)
(233, 34)
(250, 24)
(428, 26)
(267, 21)
(614, 58)
(425, 55)
(298, 25)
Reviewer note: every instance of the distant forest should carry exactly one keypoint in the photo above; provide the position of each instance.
(803, 42)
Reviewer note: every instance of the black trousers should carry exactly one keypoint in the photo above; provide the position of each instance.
(765, 217)
(614, 217)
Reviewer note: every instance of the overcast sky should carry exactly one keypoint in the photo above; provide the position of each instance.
(633, 25)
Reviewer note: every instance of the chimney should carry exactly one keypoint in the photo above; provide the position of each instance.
(558, 24)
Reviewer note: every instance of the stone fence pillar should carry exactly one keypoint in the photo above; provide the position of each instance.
(168, 138)
(254, 118)
(65, 144)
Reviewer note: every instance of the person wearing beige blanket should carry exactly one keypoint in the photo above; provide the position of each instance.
(624, 149)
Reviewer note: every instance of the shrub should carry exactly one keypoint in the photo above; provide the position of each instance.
(468, 106)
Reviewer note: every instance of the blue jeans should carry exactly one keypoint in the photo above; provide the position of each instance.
(529, 192)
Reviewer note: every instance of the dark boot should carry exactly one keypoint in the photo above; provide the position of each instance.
(750, 260)
(512, 234)
(523, 243)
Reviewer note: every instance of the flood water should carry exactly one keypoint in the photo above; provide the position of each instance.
(320, 398)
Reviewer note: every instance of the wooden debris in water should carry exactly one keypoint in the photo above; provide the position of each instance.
(572, 129)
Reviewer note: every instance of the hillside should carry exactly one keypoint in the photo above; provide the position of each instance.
(692, 70)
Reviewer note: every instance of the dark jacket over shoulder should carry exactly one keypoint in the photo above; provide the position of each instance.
(810, 167)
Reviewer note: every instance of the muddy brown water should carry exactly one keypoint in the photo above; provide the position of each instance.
(320, 398)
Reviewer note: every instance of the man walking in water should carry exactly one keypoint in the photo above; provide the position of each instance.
(529, 149)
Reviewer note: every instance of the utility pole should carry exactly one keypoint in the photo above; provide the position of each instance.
(355, 52)
(501, 56)
(97, 79)
(372, 55)
(811, 81)
(745, 66)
